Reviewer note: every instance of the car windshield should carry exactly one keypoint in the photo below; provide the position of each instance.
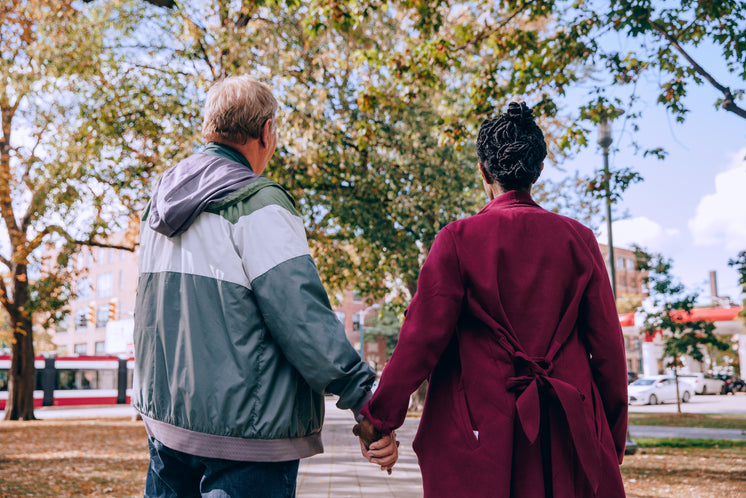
(643, 382)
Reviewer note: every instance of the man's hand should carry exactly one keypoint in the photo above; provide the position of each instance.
(384, 452)
(366, 432)
(376, 449)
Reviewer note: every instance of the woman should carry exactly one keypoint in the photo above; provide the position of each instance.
(514, 324)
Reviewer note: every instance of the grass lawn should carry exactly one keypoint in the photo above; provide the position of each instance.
(109, 457)
(718, 421)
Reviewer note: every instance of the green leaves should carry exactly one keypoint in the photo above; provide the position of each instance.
(670, 313)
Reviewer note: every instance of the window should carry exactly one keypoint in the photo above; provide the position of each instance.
(83, 289)
(80, 348)
(121, 254)
(81, 320)
(61, 350)
(102, 315)
(121, 279)
(90, 259)
(99, 347)
(620, 262)
(63, 324)
(3, 380)
(104, 285)
(85, 379)
(356, 296)
(630, 264)
(109, 255)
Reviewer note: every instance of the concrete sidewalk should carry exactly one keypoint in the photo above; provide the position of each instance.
(341, 471)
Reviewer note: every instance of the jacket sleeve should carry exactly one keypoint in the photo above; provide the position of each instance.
(600, 328)
(295, 307)
(428, 328)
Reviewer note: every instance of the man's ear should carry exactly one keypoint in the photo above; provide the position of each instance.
(266, 137)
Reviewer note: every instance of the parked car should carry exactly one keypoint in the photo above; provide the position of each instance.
(631, 377)
(732, 384)
(704, 383)
(658, 389)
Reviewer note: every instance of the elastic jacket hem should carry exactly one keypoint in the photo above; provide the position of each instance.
(233, 448)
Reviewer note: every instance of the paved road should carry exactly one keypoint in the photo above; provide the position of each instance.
(700, 404)
(655, 431)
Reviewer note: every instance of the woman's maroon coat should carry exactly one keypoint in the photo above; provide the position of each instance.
(515, 326)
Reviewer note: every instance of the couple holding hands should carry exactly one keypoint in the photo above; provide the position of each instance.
(513, 324)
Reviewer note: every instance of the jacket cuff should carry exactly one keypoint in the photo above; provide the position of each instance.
(377, 423)
(356, 409)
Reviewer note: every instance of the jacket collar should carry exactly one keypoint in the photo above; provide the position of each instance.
(510, 198)
(226, 152)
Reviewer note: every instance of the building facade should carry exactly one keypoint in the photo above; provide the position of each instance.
(104, 290)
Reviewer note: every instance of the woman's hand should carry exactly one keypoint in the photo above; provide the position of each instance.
(384, 452)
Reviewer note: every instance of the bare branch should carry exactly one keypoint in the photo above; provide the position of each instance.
(159, 69)
(728, 103)
(488, 32)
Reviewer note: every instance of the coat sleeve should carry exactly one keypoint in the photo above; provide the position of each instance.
(600, 328)
(295, 307)
(428, 328)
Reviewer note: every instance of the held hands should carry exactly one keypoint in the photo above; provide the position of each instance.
(377, 449)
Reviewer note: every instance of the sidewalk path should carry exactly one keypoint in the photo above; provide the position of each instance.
(659, 432)
(341, 471)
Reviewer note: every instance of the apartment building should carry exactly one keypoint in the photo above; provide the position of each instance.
(105, 296)
(629, 280)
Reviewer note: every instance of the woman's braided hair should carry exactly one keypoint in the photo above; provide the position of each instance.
(511, 148)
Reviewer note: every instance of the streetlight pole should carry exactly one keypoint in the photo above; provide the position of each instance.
(604, 140)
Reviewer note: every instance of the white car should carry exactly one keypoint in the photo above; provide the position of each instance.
(658, 389)
(704, 383)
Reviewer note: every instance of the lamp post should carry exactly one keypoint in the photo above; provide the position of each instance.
(362, 314)
(604, 140)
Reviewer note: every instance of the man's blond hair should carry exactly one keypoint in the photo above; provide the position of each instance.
(236, 109)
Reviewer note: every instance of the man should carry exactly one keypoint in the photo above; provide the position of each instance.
(235, 340)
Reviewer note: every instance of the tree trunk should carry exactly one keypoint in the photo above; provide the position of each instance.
(676, 380)
(22, 375)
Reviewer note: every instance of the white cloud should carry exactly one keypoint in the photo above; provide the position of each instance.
(643, 232)
(720, 219)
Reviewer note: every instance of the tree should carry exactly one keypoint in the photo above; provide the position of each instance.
(58, 183)
(384, 329)
(739, 263)
(669, 311)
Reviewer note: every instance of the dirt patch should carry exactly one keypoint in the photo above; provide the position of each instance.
(101, 457)
(686, 472)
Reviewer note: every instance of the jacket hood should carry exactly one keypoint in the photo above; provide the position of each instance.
(187, 189)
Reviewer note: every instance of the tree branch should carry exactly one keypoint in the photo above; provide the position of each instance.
(488, 32)
(728, 103)
(4, 300)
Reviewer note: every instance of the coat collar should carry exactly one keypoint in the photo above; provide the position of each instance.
(510, 198)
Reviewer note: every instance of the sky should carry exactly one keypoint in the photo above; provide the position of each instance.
(691, 206)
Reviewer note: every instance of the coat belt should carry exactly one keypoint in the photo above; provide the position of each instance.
(535, 374)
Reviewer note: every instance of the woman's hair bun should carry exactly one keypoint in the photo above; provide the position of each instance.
(518, 112)
(511, 147)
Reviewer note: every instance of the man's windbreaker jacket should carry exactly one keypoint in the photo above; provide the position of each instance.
(235, 339)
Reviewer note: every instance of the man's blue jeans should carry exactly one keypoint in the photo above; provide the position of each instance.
(175, 474)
